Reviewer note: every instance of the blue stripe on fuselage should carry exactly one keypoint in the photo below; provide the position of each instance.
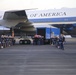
(64, 19)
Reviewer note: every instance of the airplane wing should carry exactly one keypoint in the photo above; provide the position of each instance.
(12, 18)
(27, 27)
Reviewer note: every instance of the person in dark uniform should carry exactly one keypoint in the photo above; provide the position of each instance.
(61, 41)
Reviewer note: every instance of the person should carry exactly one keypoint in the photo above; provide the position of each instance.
(57, 41)
(0, 41)
(52, 38)
(63, 38)
(61, 41)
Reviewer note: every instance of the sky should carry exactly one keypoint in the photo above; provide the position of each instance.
(36, 4)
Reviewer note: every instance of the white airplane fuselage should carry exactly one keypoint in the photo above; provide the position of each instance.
(38, 17)
(52, 16)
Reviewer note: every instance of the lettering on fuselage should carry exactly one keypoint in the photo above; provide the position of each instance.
(48, 14)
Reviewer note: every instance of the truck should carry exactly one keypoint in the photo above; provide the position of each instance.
(46, 33)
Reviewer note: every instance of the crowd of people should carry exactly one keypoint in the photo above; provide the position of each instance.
(58, 41)
(38, 40)
(6, 41)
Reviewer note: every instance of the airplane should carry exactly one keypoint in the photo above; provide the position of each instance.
(26, 20)
(64, 18)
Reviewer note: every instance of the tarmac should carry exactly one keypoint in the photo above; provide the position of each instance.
(38, 60)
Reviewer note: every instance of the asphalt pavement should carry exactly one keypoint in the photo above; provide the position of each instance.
(38, 60)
